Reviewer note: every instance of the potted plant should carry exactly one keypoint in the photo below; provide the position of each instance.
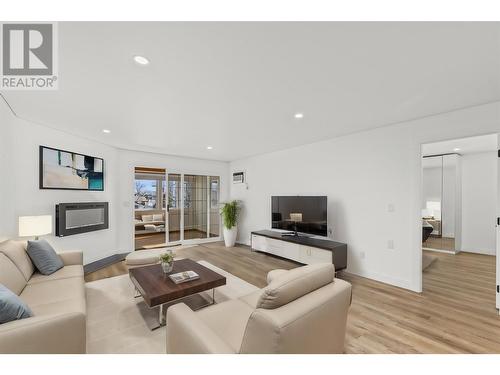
(167, 261)
(230, 211)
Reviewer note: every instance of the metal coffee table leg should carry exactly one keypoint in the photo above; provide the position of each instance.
(161, 317)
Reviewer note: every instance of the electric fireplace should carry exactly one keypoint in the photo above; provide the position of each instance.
(75, 218)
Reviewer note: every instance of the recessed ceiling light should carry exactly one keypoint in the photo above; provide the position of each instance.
(299, 115)
(107, 131)
(456, 149)
(209, 148)
(141, 60)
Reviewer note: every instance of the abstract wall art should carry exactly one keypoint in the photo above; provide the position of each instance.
(67, 170)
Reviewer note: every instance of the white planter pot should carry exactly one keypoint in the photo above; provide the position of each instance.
(230, 236)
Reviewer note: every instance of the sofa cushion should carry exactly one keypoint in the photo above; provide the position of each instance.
(12, 307)
(63, 273)
(10, 275)
(229, 320)
(44, 257)
(295, 283)
(16, 252)
(41, 296)
(74, 305)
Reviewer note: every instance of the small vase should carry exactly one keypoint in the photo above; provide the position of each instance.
(167, 267)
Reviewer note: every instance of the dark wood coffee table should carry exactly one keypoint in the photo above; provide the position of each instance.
(158, 289)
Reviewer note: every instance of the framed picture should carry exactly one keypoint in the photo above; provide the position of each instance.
(65, 170)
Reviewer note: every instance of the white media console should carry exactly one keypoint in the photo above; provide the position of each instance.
(305, 250)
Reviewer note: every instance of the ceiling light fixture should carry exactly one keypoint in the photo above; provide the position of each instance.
(209, 148)
(299, 115)
(456, 149)
(107, 131)
(141, 60)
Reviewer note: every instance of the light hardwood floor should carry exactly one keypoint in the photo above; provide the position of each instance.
(440, 243)
(455, 313)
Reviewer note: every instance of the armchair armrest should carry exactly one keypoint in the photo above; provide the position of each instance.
(71, 258)
(274, 274)
(57, 334)
(188, 334)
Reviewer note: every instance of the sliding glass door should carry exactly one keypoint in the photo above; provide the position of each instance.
(201, 207)
(149, 208)
(195, 207)
(214, 214)
(174, 208)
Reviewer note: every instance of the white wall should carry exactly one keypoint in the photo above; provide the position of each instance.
(6, 182)
(479, 179)
(25, 197)
(19, 142)
(362, 174)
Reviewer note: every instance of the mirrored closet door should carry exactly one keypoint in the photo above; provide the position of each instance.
(441, 203)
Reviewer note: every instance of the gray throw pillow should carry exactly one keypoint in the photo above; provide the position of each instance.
(44, 257)
(11, 306)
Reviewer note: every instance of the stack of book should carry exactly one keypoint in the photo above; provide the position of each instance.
(183, 277)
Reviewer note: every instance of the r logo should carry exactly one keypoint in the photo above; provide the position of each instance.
(27, 49)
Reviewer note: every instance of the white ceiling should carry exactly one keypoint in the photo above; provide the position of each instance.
(465, 146)
(236, 86)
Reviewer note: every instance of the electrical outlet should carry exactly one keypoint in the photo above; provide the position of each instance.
(390, 244)
(391, 208)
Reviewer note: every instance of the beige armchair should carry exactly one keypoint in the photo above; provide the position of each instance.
(303, 310)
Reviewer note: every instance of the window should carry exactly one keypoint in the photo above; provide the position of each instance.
(149, 193)
(173, 193)
(146, 194)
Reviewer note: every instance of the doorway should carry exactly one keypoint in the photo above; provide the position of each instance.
(459, 216)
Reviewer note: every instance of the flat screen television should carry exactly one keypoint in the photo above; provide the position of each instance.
(300, 214)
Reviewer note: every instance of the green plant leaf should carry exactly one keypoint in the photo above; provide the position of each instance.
(229, 212)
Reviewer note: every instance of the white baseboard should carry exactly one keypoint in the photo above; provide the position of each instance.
(400, 283)
(452, 252)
